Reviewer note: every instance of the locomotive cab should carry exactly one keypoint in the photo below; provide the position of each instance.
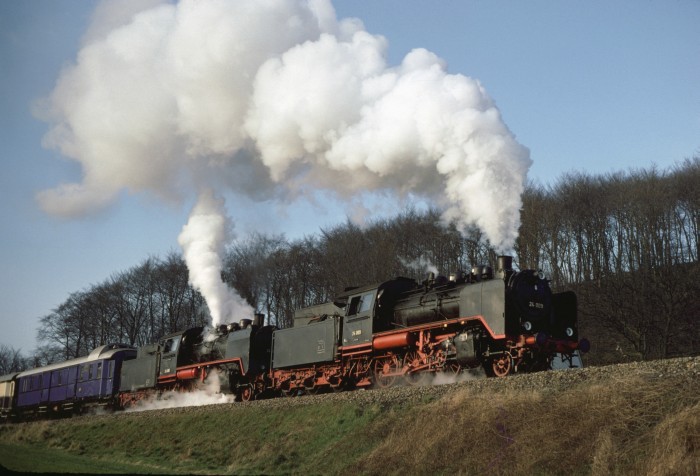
(357, 325)
(370, 309)
(177, 349)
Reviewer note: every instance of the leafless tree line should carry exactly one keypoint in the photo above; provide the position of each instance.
(135, 307)
(626, 242)
(590, 227)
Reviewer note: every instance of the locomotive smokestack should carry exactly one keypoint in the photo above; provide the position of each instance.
(505, 264)
(259, 320)
(245, 323)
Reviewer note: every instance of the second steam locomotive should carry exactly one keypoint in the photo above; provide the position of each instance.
(505, 321)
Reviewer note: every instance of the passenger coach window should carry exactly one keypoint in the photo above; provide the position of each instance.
(84, 369)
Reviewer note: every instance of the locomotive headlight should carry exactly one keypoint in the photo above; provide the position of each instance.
(527, 325)
(569, 332)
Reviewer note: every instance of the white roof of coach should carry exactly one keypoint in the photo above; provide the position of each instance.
(99, 353)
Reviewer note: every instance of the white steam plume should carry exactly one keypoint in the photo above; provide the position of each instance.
(271, 98)
(202, 240)
(420, 264)
(276, 97)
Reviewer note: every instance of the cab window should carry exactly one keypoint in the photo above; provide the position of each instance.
(360, 304)
(171, 344)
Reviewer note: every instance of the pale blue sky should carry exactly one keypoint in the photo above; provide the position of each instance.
(596, 86)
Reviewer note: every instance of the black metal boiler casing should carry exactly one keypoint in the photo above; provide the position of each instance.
(251, 343)
(517, 302)
(451, 300)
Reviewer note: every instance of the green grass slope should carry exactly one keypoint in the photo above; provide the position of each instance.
(622, 422)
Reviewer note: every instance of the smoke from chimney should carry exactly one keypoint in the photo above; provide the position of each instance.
(203, 239)
(269, 98)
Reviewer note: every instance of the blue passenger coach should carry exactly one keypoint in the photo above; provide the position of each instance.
(72, 385)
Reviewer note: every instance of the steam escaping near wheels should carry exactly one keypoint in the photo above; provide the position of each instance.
(271, 100)
(206, 393)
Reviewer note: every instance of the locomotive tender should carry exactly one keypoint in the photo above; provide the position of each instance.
(399, 330)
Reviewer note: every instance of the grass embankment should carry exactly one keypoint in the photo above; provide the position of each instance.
(638, 424)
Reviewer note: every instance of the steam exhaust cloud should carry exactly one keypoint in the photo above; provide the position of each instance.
(273, 98)
(202, 240)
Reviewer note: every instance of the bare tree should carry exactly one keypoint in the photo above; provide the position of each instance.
(11, 360)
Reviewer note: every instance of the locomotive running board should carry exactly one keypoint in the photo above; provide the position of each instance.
(463, 321)
(368, 348)
(355, 350)
(171, 378)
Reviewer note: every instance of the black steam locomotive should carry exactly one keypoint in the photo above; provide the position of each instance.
(504, 321)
